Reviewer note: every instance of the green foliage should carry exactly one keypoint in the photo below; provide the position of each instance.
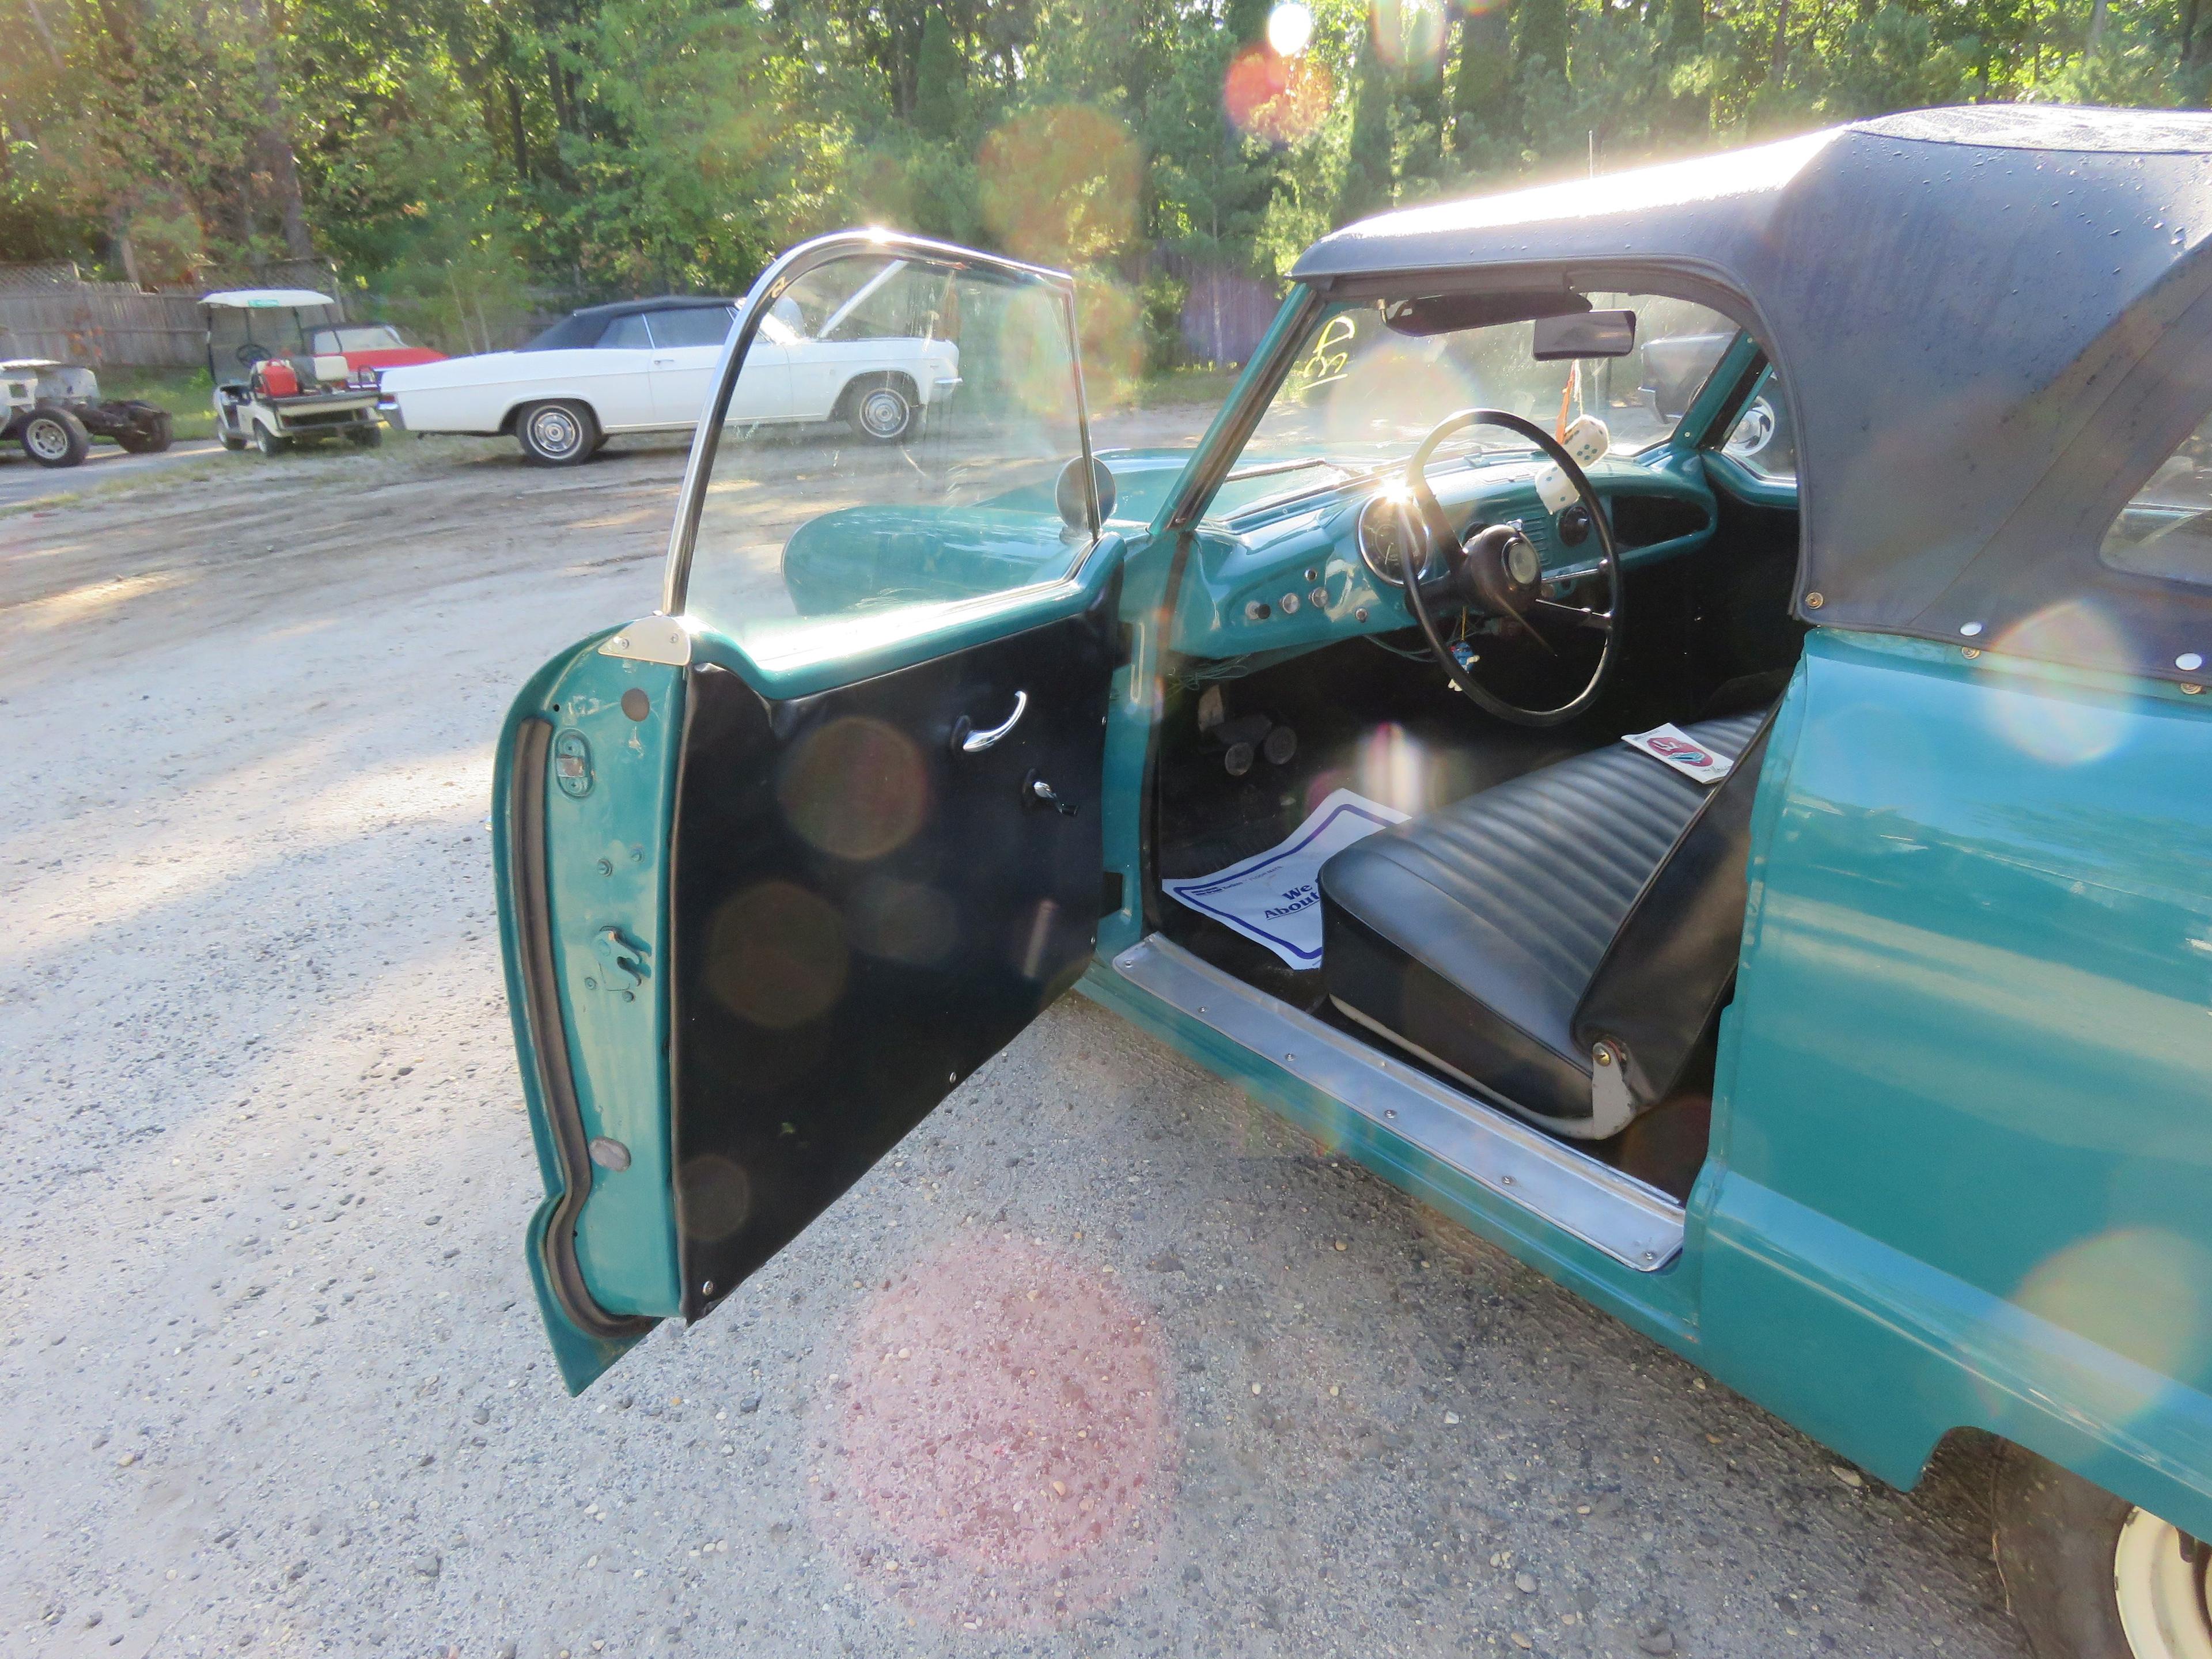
(1367, 160)
(940, 82)
(472, 164)
(187, 393)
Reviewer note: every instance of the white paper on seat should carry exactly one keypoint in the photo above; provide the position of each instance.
(1274, 898)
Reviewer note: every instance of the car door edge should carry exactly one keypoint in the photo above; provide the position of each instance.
(587, 1339)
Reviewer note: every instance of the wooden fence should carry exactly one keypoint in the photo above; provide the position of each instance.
(103, 324)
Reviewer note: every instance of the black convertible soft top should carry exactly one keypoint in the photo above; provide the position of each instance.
(583, 328)
(1992, 325)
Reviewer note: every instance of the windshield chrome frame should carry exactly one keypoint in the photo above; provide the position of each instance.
(770, 286)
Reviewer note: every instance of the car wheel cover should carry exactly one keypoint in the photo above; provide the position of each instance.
(48, 440)
(2158, 1580)
(555, 433)
(1754, 431)
(883, 413)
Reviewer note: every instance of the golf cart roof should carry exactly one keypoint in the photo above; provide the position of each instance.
(1991, 325)
(20, 363)
(266, 299)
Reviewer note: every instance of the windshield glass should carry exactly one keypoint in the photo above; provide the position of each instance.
(1361, 395)
(358, 336)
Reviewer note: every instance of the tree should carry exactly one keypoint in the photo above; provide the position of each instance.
(1367, 172)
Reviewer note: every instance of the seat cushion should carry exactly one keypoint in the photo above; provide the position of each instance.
(1468, 935)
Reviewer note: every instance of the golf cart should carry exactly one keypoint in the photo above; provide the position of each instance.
(55, 411)
(271, 389)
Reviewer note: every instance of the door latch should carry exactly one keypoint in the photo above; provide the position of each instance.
(1035, 789)
(622, 962)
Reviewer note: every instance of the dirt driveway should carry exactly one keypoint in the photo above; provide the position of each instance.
(23, 481)
(274, 1377)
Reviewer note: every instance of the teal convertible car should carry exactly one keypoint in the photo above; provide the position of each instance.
(1767, 886)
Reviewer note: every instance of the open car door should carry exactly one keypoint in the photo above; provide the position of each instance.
(782, 864)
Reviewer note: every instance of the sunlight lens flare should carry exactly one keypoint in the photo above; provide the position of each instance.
(2061, 731)
(1290, 28)
(1276, 99)
(1060, 185)
(1005, 1442)
(1410, 35)
(2136, 1291)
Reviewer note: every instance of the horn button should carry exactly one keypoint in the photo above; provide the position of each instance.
(1504, 566)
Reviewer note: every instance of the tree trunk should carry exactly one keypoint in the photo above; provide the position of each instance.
(515, 120)
(1367, 160)
(1481, 94)
(1543, 36)
(276, 139)
(118, 232)
(1780, 60)
(2097, 11)
(45, 33)
(564, 117)
(2188, 32)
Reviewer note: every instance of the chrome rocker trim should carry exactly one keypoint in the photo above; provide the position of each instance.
(1638, 1225)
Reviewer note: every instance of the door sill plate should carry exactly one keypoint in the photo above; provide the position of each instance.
(1638, 1225)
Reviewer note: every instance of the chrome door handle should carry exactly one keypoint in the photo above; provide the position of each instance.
(975, 742)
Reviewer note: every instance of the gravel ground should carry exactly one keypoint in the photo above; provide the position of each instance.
(1107, 1361)
(22, 480)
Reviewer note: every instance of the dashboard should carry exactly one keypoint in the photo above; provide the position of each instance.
(1287, 574)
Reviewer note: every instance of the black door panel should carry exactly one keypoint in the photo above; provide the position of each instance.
(864, 912)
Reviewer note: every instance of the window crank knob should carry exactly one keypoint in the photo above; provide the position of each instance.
(1040, 790)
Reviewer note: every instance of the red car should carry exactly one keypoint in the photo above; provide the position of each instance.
(369, 346)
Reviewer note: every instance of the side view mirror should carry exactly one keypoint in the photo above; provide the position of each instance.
(1069, 497)
(1586, 334)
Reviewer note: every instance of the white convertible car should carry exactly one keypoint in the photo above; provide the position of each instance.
(870, 358)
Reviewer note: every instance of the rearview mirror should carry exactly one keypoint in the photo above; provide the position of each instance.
(1590, 334)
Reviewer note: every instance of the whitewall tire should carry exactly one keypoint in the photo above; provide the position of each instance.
(559, 434)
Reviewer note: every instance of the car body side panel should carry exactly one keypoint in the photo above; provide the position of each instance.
(762, 392)
(628, 393)
(1963, 1137)
(822, 369)
(477, 394)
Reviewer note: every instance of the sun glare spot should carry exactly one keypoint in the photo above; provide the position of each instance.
(1006, 1443)
(2061, 731)
(1410, 36)
(1277, 98)
(2137, 1292)
(93, 600)
(1290, 28)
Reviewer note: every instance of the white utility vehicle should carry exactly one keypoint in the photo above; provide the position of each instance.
(271, 390)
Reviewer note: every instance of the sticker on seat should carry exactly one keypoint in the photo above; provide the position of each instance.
(1274, 898)
(1684, 753)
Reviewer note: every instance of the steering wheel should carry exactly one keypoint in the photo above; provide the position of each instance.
(1495, 569)
(252, 353)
